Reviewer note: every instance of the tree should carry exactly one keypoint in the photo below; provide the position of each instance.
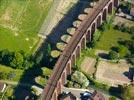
(6, 57)
(3, 75)
(128, 93)
(17, 61)
(113, 55)
(80, 78)
(112, 98)
(123, 51)
(39, 59)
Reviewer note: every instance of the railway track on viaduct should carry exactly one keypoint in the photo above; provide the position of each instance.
(78, 41)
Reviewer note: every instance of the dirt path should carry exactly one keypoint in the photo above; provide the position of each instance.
(56, 13)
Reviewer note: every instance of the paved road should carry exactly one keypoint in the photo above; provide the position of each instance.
(76, 92)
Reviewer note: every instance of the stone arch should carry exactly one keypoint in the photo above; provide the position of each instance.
(98, 21)
(68, 69)
(73, 60)
(78, 51)
(104, 15)
(63, 78)
(116, 3)
(110, 8)
(93, 28)
(83, 43)
(59, 88)
(88, 36)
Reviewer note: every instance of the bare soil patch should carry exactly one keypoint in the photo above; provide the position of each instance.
(88, 65)
(113, 73)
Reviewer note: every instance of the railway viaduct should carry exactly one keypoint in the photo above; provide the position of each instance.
(72, 51)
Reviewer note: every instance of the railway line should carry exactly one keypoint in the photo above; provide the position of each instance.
(70, 48)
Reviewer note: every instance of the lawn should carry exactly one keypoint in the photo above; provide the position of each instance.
(7, 70)
(20, 22)
(110, 39)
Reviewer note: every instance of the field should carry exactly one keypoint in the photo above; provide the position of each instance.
(110, 39)
(20, 22)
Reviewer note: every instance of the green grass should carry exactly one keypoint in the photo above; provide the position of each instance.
(23, 17)
(7, 70)
(14, 43)
(110, 39)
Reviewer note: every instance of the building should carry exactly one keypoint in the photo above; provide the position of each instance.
(132, 11)
(2, 87)
(68, 96)
(96, 96)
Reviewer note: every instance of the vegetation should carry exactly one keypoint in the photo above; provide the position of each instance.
(7, 73)
(124, 28)
(42, 79)
(80, 78)
(20, 22)
(125, 6)
(128, 93)
(113, 55)
(112, 98)
(17, 60)
(110, 39)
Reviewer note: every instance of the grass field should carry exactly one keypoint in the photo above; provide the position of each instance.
(20, 22)
(110, 39)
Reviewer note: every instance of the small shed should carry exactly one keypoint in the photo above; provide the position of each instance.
(132, 11)
(2, 87)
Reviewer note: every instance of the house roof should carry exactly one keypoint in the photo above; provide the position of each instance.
(68, 96)
(1, 86)
(97, 96)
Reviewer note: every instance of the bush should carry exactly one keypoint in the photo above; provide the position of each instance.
(123, 51)
(3, 75)
(80, 78)
(112, 98)
(128, 93)
(113, 55)
(131, 60)
(17, 60)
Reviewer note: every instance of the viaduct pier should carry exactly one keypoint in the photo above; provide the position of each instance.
(82, 35)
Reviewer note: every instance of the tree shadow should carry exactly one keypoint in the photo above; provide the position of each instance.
(61, 28)
(129, 74)
(116, 91)
(23, 89)
(103, 55)
(28, 78)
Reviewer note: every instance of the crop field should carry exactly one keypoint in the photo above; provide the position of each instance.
(20, 22)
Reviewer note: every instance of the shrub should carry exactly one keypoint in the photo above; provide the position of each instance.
(80, 78)
(128, 93)
(113, 55)
(112, 98)
(3, 75)
(123, 51)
